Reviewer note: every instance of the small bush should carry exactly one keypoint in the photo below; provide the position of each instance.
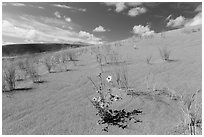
(107, 49)
(48, 63)
(9, 77)
(99, 59)
(33, 74)
(64, 58)
(28, 67)
(114, 58)
(72, 56)
(149, 79)
(165, 53)
(121, 77)
(135, 47)
(148, 59)
(23, 64)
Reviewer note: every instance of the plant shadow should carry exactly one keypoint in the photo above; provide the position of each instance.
(22, 89)
(11, 93)
(40, 82)
(172, 60)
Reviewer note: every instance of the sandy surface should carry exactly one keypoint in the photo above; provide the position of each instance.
(61, 106)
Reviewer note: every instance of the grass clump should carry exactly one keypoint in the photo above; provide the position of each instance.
(121, 77)
(48, 63)
(165, 53)
(28, 68)
(148, 60)
(33, 74)
(9, 77)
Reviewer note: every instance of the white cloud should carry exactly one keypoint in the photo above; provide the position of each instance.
(6, 24)
(134, 4)
(89, 37)
(7, 43)
(177, 22)
(29, 41)
(182, 21)
(17, 4)
(197, 20)
(9, 29)
(81, 9)
(31, 34)
(32, 30)
(69, 7)
(57, 14)
(22, 5)
(67, 19)
(85, 34)
(62, 6)
(136, 11)
(142, 30)
(40, 7)
(99, 29)
(120, 6)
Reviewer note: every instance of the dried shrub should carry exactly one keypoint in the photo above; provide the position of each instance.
(165, 53)
(48, 63)
(72, 55)
(33, 74)
(121, 77)
(149, 79)
(9, 76)
(28, 67)
(148, 59)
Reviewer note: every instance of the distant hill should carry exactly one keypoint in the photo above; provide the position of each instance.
(21, 49)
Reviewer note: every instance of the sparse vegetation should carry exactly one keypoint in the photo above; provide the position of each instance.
(148, 59)
(9, 77)
(71, 55)
(165, 53)
(48, 63)
(99, 59)
(149, 81)
(121, 77)
(33, 74)
(135, 47)
(103, 102)
(114, 58)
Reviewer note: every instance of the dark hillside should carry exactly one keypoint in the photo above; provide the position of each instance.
(21, 49)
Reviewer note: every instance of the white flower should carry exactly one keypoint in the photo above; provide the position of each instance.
(109, 78)
(94, 99)
(116, 98)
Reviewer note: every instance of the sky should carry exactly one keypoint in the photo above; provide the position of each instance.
(93, 22)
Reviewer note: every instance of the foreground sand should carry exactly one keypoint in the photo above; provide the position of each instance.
(61, 106)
